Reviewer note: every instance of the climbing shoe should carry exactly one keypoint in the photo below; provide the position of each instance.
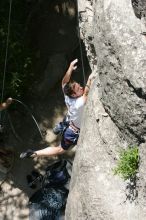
(27, 154)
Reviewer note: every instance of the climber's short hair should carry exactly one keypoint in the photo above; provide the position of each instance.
(68, 88)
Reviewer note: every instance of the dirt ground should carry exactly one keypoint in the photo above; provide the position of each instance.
(15, 192)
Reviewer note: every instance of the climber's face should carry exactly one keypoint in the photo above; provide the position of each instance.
(77, 90)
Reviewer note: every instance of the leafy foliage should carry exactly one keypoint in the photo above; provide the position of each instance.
(128, 163)
(19, 65)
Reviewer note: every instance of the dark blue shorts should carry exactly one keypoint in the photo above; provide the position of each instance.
(69, 138)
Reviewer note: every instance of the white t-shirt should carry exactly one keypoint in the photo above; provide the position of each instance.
(75, 109)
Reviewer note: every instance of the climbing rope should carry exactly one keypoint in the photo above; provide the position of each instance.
(6, 54)
(81, 52)
(13, 129)
(4, 76)
(25, 106)
(12, 126)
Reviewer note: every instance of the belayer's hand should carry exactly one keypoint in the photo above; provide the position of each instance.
(9, 101)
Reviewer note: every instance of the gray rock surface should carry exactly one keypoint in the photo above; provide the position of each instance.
(115, 114)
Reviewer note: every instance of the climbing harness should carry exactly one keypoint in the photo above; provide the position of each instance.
(60, 127)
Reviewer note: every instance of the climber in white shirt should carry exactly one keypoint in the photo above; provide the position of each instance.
(75, 99)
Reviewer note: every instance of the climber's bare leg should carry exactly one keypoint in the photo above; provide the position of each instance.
(49, 151)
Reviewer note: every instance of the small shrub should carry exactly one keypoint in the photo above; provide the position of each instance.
(128, 163)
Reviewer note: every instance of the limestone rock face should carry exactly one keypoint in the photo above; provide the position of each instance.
(114, 116)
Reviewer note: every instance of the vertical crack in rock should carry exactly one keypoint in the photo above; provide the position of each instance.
(130, 134)
(138, 91)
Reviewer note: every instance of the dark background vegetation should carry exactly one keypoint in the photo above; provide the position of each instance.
(19, 71)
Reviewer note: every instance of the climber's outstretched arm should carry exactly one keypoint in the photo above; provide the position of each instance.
(69, 72)
(49, 151)
(46, 152)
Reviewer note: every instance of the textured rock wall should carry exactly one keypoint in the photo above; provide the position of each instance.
(115, 114)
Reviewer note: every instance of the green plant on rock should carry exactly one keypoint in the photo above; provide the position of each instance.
(128, 163)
